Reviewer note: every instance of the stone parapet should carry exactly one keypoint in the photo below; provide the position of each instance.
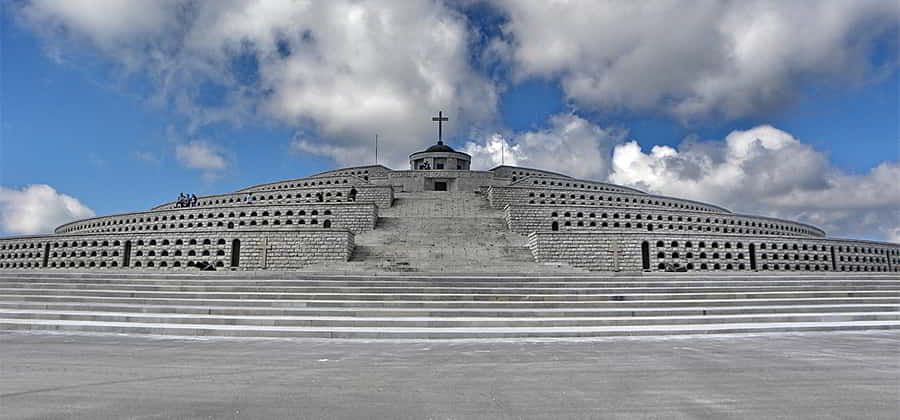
(414, 181)
(558, 182)
(530, 218)
(518, 172)
(323, 181)
(703, 252)
(364, 172)
(355, 217)
(500, 196)
(276, 249)
(381, 196)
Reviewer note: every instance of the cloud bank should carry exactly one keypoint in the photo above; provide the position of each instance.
(767, 171)
(38, 209)
(696, 59)
(343, 69)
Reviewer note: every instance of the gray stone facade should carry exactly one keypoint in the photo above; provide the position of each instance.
(613, 251)
(276, 249)
(501, 196)
(379, 195)
(355, 217)
(530, 218)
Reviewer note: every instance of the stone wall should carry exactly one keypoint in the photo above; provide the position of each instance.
(413, 181)
(382, 196)
(517, 172)
(530, 218)
(278, 249)
(323, 181)
(364, 172)
(696, 252)
(355, 217)
(501, 196)
(578, 184)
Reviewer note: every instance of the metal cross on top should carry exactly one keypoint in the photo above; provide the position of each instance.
(440, 120)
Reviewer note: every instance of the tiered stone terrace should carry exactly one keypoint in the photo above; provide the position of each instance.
(556, 220)
(355, 217)
(510, 252)
(531, 218)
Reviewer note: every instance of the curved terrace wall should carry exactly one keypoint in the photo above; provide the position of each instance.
(306, 182)
(278, 249)
(518, 172)
(704, 252)
(530, 218)
(501, 196)
(355, 217)
(363, 172)
(382, 196)
(579, 184)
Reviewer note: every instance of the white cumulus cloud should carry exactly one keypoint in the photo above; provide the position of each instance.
(767, 171)
(38, 208)
(496, 150)
(570, 144)
(344, 69)
(697, 58)
(201, 155)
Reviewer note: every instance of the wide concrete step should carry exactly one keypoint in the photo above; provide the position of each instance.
(440, 277)
(284, 302)
(433, 322)
(435, 289)
(424, 306)
(391, 285)
(212, 330)
(588, 295)
(621, 311)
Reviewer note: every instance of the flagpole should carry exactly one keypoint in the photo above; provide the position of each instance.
(376, 149)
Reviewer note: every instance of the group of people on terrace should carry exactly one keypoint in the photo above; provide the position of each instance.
(185, 200)
(191, 200)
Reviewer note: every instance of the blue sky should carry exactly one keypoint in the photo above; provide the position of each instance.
(86, 113)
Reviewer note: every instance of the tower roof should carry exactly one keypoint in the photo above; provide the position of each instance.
(440, 147)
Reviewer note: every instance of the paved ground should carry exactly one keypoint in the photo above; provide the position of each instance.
(826, 375)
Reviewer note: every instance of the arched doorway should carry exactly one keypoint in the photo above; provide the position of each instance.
(645, 255)
(235, 252)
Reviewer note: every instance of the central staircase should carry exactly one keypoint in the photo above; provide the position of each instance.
(442, 232)
(443, 306)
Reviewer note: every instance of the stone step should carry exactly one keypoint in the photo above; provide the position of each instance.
(461, 276)
(622, 311)
(452, 304)
(447, 322)
(588, 295)
(441, 289)
(229, 282)
(208, 330)
(464, 305)
(435, 277)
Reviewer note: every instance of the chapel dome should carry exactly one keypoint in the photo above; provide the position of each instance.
(440, 147)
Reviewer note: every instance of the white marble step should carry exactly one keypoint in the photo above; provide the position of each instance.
(194, 330)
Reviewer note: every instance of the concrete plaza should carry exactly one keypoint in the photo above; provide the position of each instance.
(813, 375)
